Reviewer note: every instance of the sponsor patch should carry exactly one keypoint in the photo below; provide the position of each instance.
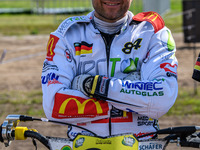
(129, 65)
(140, 134)
(70, 21)
(169, 67)
(49, 77)
(145, 121)
(154, 18)
(68, 106)
(53, 40)
(128, 141)
(147, 86)
(142, 88)
(54, 81)
(68, 55)
(148, 145)
(167, 40)
(83, 48)
(79, 142)
(171, 70)
(170, 42)
(47, 67)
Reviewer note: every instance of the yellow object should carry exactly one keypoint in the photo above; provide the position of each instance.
(19, 132)
(121, 142)
(94, 84)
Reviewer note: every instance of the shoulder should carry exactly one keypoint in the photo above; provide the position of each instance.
(154, 18)
(69, 22)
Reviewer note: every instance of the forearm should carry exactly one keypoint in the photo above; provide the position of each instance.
(149, 98)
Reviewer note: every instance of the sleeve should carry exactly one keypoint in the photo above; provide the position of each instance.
(155, 94)
(60, 102)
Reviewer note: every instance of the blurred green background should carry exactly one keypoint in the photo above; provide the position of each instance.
(35, 22)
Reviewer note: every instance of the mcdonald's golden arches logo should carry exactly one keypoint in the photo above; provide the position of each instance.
(68, 106)
(151, 16)
(154, 18)
(51, 46)
(81, 107)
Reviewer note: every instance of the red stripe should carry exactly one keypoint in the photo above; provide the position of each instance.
(74, 104)
(198, 63)
(154, 18)
(78, 48)
(85, 47)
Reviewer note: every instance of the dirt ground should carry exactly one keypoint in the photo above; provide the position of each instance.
(21, 70)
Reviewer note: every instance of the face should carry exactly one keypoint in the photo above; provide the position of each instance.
(111, 10)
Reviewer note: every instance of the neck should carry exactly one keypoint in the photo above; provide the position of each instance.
(110, 28)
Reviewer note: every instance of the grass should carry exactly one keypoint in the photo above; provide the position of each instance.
(186, 103)
(20, 102)
(51, 3)
(173, 19)
(16, 4)
(44, 24)
(27, 24)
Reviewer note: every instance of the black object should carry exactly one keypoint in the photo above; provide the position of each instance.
(196, 72)
(191, 21)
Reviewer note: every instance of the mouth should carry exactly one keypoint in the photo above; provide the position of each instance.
(111, 4)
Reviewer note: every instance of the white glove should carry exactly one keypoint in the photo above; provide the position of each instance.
(77, 83)
(133, 76)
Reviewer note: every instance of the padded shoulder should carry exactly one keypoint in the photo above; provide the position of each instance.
(154, 18)
(66, 24)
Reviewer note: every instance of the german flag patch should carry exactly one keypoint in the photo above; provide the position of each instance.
(83, 48)
(197, 65)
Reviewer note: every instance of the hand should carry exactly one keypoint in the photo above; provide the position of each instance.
(93, 86)
(77, 83)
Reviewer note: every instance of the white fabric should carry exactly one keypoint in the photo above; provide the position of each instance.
(109, 28)
(133, 76)
(150, 97)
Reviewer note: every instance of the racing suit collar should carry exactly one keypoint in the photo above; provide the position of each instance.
(123, 28)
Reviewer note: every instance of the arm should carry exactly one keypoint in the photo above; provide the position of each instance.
(158, 88)
(154, 95)
(59, 100)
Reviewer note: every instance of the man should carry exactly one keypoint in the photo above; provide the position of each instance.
(110, 72)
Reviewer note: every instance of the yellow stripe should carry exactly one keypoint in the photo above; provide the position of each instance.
(124, 114)
(82, 51)
(197, 67)
(94, 84)
(78, 52)
(86, 51)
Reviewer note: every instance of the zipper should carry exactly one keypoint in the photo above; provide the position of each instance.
(108, 39)
(107, 45)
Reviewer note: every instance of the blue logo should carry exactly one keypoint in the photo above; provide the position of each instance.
(49, 77)
(148, 86)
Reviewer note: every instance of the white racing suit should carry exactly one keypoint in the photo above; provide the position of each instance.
(77, 47)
